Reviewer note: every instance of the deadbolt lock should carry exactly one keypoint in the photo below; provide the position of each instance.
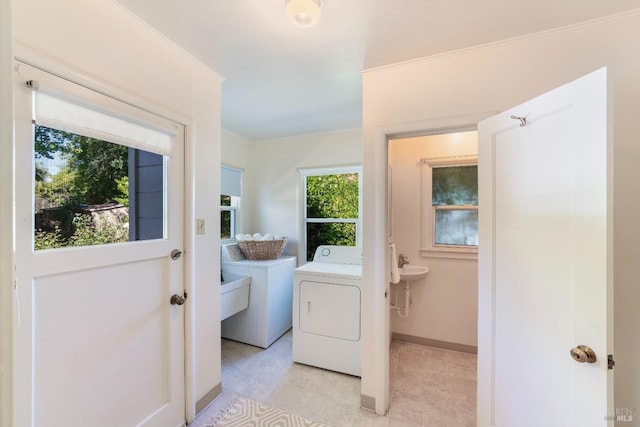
(583, 353)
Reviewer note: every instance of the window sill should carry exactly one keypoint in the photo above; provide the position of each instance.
(450, 253)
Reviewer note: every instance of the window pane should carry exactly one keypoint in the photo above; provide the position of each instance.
(455, 186)
(332, 196)
(93, 192)
(456, 227)
(342, 234)
(225, 200)
(225, 224)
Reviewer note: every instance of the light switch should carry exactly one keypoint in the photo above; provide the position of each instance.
(200, 226)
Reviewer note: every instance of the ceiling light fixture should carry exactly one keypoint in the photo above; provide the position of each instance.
(304, 13)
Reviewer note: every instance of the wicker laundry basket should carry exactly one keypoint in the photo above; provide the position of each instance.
(261, 250)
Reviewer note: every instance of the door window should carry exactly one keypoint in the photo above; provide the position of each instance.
(92, 192)
(99, 173)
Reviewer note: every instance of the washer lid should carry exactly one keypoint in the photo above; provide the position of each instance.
(338, 254)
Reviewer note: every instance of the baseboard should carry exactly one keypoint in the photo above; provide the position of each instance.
(208, 398)
(368, 402)
(463, 348)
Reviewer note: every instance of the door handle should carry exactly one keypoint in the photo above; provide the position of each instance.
(583, 353)
(178, 299)
(176, 253)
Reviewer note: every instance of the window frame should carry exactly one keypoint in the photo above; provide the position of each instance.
(236, 199)
(233, 208)
(428, 217)
(329, 170)
(67, 106)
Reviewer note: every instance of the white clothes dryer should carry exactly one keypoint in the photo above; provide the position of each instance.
(327, 298)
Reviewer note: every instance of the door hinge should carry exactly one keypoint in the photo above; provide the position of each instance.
(33, 84)
(385, 294)
(610, 362)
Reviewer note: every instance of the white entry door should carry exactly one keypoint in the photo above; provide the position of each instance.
(97, 341)
(545, 260)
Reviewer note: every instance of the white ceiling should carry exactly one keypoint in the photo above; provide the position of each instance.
(282, 80)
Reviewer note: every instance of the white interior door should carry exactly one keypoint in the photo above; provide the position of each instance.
(545, 260)
(97, 341)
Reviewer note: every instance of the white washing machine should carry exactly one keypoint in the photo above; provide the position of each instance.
(327, 297)
(268, 315)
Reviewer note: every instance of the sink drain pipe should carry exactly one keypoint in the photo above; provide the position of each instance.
(404, 310)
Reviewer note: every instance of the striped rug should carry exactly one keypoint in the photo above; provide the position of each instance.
(245, 412)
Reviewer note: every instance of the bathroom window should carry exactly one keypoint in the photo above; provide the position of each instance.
(231, 190)
(331, 208)
(450, 207)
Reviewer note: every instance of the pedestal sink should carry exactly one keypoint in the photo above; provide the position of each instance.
(410, 273)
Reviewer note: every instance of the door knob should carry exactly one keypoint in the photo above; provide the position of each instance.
(177, 299)
(583, 353)
(176, 253)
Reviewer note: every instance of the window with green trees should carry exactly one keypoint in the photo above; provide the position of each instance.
(332, 209)
(230, 193)
(82, 195)
(228, 207)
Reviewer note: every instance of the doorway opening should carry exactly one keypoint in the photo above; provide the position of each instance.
(433, 223)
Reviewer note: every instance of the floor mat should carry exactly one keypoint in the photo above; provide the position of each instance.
(243, 412)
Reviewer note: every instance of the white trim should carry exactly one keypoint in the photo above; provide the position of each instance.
(333, 220)
(330, 170)
(189, 233)
(6, 217)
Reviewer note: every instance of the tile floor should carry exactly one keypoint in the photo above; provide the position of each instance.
(429, 386)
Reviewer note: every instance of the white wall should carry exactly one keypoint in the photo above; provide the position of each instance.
(445, 303)
(494, 78)
(277, 190)
(102, 46)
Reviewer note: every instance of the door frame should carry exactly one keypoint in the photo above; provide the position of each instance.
(50, 65)
(375, 253)
(6, 213)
